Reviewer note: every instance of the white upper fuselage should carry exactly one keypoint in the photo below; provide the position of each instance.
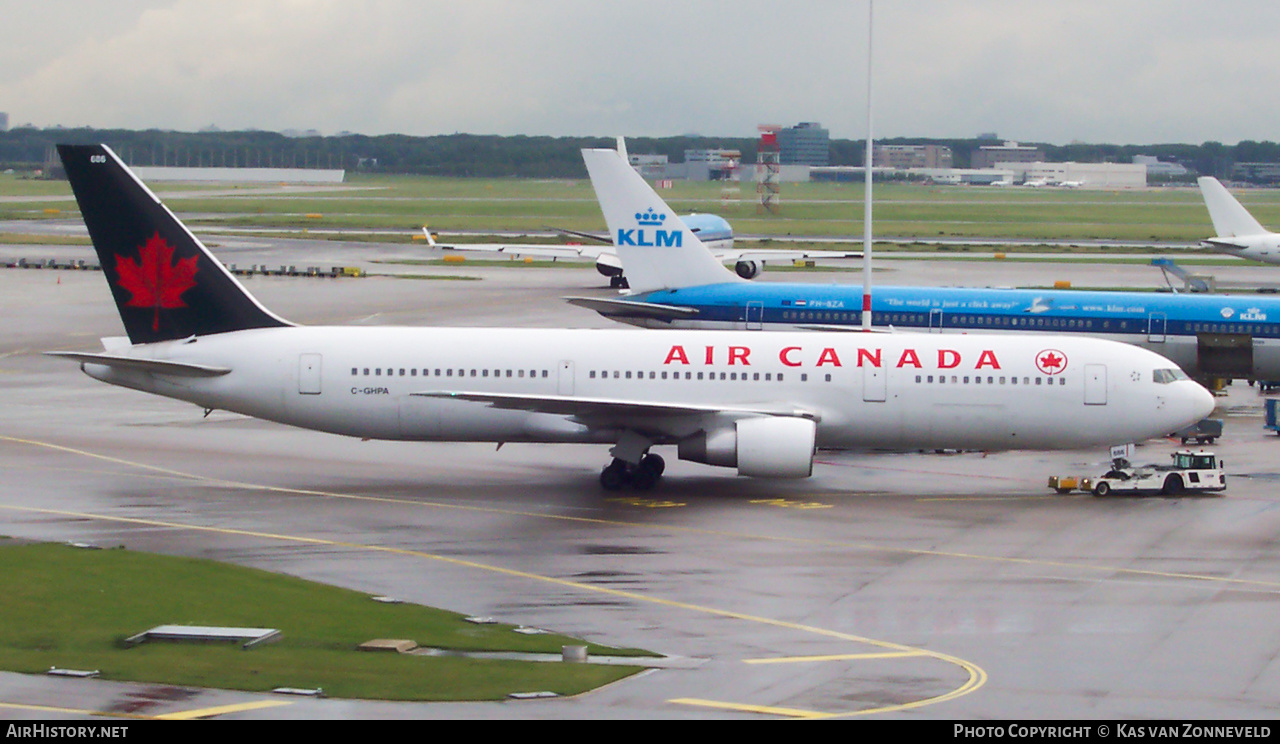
(875, 391)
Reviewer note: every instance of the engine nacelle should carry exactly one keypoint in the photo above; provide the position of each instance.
(608, 265)
(747, 269)
(766, 447)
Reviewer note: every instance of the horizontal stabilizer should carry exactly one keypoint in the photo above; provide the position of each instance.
(631, 309)
(157, 366)
(1223, 244)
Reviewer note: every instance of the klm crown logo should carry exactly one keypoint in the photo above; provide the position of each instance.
(650, 217)
(641, 236)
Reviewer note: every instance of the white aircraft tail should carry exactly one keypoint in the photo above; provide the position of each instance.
(1230, 218)
(431, 240)
(657, 250)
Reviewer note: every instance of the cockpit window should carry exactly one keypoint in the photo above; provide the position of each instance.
(1166, 376)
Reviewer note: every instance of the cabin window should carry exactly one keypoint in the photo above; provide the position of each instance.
(699, 375)
(828, 377)
(804, 377)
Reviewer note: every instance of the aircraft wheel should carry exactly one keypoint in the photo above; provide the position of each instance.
(614, 476)
(1172, 485)
(655, 462)
(1102, 489)
(644, 479)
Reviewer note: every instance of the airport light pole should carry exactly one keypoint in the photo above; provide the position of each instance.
(867, 179)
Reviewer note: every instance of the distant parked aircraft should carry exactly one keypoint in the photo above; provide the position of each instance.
(1238, 233)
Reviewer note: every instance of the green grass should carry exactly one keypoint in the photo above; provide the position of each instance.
(72, 608)
(807, 209)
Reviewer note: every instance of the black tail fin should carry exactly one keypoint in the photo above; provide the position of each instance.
(165, 282)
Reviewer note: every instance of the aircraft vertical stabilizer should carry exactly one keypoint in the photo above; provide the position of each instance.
(166, 284)
(657, 249)
(1230, 218)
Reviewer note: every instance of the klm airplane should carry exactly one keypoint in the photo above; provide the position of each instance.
(677, 284)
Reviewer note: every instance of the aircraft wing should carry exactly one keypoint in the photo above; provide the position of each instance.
(843, 328)
(158, 366)
(614, 408)
(632, 309)
(535, 251)
(784, 255)
(584, 235)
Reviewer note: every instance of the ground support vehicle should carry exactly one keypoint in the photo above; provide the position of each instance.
(1204, 431)
(1190, 472)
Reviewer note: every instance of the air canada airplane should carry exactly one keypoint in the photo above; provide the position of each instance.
(760, 403)
(1238, 233)
(674, 284)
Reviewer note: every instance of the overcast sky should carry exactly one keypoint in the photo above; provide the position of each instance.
(1117, 71)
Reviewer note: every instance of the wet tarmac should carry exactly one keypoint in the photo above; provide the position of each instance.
(901, 586)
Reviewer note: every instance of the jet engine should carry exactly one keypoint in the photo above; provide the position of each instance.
(747, 269)
(767, 447)
(609, 265)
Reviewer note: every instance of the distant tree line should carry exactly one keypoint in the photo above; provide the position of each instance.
(522, 156)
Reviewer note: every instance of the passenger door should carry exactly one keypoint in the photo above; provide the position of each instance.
(564, 378)
(935, 321)
(1095, 384)
(309, 374)
(1156, 325)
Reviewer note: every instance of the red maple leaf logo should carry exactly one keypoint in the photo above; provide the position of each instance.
(156, 281)
(1051, 362)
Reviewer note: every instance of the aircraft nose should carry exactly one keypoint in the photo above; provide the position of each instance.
(1194, 402)
(1203, 401)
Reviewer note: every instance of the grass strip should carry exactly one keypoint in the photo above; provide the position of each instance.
(72, 608)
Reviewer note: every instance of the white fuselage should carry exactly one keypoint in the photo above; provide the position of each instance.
(873, 391)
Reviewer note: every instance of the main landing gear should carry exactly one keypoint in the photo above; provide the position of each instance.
(642, 477)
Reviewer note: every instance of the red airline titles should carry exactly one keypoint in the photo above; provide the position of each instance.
(792, 356)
